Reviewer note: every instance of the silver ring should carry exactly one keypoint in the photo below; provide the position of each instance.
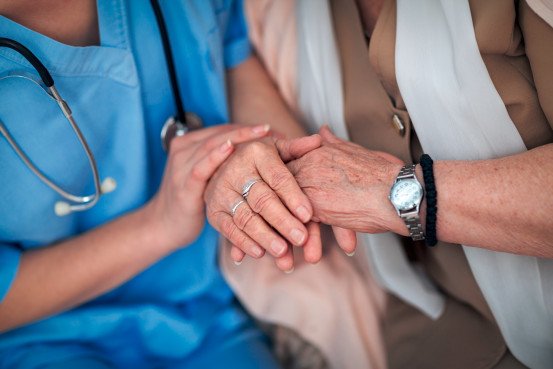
(235, 207)
(248, 186)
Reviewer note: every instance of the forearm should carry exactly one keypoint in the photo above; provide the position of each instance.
(254, 99)
(501, 204)
(58, 277)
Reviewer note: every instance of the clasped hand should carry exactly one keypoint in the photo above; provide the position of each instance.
(291, 186)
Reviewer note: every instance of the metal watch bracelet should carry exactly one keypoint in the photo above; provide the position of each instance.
(412, 219)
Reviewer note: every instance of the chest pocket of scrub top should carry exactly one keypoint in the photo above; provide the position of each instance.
(99, 83)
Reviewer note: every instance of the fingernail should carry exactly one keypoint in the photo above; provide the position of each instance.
(289, 271)
(297, 236)
(278, 247)
(226, 146)
(238, 262)
(350, 253)
(261, 129)
(303, 213)
(257, 251)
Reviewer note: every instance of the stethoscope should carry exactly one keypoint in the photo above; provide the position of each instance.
(177, 125)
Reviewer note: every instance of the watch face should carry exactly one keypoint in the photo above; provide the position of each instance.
(406, 194)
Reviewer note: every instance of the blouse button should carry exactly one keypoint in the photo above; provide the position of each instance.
(398, 125)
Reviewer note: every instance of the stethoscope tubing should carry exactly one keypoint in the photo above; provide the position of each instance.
(79, 203)
(31, 58)
(177, 126)
(169, 60)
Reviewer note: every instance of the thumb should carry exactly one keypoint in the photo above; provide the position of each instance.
(328, 136)
(297, 147)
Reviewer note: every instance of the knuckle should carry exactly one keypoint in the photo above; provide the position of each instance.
(263, 201)
(180, 156)
(215, 159)
(281, 180)
(229, 229)
(211, 143)
(243, 217)
(281, 221)
(238, 238)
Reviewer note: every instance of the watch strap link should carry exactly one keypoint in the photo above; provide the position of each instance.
(414, 226)
(408, 171)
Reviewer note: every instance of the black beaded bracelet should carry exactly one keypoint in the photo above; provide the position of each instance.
(426, 163)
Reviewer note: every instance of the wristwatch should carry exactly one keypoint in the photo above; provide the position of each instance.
(406, 196)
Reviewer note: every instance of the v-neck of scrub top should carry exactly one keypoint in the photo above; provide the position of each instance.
(85, 77)
(111, 58)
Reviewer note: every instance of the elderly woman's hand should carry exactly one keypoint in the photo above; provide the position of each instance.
(176, 212)
(254, 201)
(348, 185)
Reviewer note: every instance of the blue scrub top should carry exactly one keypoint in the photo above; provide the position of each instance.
(120, 96)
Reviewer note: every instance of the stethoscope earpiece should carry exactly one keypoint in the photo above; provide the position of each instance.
(63, 208)
(108, 185)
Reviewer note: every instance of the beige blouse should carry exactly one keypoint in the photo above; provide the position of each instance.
(517, 48)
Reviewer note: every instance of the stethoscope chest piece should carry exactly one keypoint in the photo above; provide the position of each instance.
(173, 127)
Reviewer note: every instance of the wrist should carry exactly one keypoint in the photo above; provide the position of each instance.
(393, 221)
(153, 226)
(402, 218)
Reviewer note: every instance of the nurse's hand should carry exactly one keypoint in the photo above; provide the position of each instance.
(274, 213)
(176, 213)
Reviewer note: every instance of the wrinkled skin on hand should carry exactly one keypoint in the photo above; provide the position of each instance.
(177, 209)
(348, 185)
(273, 215)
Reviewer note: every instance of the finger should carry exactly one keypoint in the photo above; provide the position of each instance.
(265, 202)
(258, 230)
(328, 136)
(239, 134)
(225, 225)
(277, 176)
(194, 137)
(313, 248)
(237, 255)
(296, 148)
(346, 238)
(286, 262)
(223, 131)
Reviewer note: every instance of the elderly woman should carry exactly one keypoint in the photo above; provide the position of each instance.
(468, 83)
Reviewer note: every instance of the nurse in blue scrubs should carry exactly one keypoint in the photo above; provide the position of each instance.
(133, 282)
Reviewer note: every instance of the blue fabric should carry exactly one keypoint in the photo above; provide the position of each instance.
(9, 261)
(120, 96)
